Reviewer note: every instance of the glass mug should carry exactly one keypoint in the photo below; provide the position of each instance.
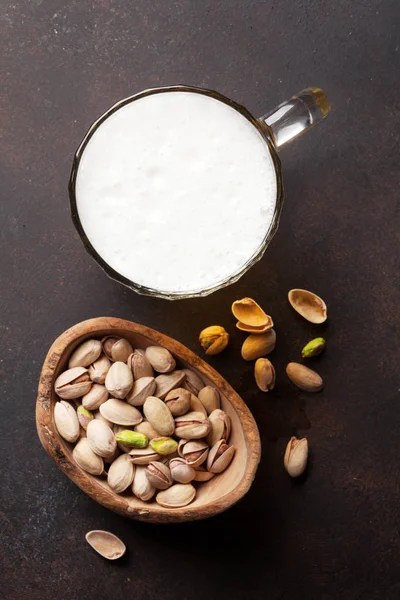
(277, 128)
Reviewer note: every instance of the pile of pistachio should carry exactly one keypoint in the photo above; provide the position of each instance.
(141, 422)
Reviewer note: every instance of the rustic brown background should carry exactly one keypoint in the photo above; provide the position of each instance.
(334, 534)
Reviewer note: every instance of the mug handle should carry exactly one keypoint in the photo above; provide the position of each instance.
(299, 114)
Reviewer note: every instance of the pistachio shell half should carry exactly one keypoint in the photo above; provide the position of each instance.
(119, 380)
(306, 379)
(120, 413)
(159, 416)
(86, 459)
(106, 544)
(308, 305)
(258, 344)
(176, 496)
(160, 359)
(250, 314)
(66, 421)
(85, 354)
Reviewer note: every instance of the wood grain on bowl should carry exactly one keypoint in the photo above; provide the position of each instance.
(213, 497)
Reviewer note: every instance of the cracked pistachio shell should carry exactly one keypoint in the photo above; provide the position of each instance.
(85, 354)
(257, 345)
(141, 486)
(192, 426)
(210, 398)
(160, 359)
(306, 379)
(121, 473)
(178, 401)
(214, 339)
(101, 438)
(119, 380)
(193, 382)
(201, 475)
(181, 471)
(117, 349)
(220, 426)
(159, 416)
(86, 459)
(106, 544)
(148, 430)
(264, 374)
(143, 456)
(66, 421)
(164, 445)
(140, 365)
(97, 395)
(196, 405)
(159, 475)
(313, 348)
(120, 413)
(84, 416)
(296, 456)
(99, 369)
(131, 439)
(73, 383)
(142, 388)
(251, 315)
(194, 452)
(180, 494)
(220, 457)
(166, 383)
(308, 305)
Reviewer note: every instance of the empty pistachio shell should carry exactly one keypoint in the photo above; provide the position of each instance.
(164, 445)
(143, 456)
(148, 429)
(264, 373)
(313, 348)
(85, 354)
(86, 459)
(258, 344)
(210, 398)
(192, 426)
(84, 416)
(159, 475)
(220, 427)
(201, 475)
(308, 305)
(119, 380)
(106, 544)
(117, 349)
(306, 379)
(141, 486)
(120, 413)
(250, 314)
(160, 359)
(141, 389)
(214, 339)
(193, 382)
(296, 456)
(181, 471)
(97, 395)
(220, 457)
(121, 473)
(132, 439)
(66, 421)
(101, 438)
(196, 405)
(166, 383)
(73, 383)
(194, 452)
(180, 494)
(99, 369)
(178, 401)
(140, 365)
(159, 416)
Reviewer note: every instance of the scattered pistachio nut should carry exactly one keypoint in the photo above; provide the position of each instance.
(85, 354)
(306, 379)
(210, 398)
(178, 495)
(140, 365)
(84, 416)
(96, 396)
(133, 439)
(214, 339)
(308, 305)
(257, 345)
(250, 314)
(119, 380)
(99, 368)
(66, 421)
(313, 348)
(160, 359)
(164, 445)
(106, 544)
(86, 459)
(296, 456)
(73, 383)
(264, 373)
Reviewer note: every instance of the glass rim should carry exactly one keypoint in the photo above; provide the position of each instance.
(172, 295)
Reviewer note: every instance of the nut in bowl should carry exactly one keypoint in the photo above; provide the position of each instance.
(209, 495)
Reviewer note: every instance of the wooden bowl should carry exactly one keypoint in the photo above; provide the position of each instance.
(214, 496)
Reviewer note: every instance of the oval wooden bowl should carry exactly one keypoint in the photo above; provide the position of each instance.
(214, 496)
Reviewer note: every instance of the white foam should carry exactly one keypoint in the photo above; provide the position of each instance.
(176, 191)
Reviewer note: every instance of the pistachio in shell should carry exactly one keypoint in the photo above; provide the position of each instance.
(308, 305)
(257, 345)
(73, 383)
(264, 374)
(167, 382)
(160, 359)
(296, 456)
(86, 459)
(196, 405)
(141, 486)
(85, 354)
(178, 495)
(181, 471)
(214, 339)
(117, 349)
(142, 388)
(251, 316)
(143, 456)
(178, 401)
(101, 438)
(306, 379)
(210, 398)
(121, 473)
(148, 429)
(159, 416)
(96, 396)
(140, 365)
(193, 381)
(99, 368)
(159, 475)
(192, 426)
(106, 544)
(66, 421)
(120, 413)
(194, 452)
(220, 456)
(119, 380)
(220, 427)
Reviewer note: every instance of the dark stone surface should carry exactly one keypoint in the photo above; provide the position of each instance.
(336, 533)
